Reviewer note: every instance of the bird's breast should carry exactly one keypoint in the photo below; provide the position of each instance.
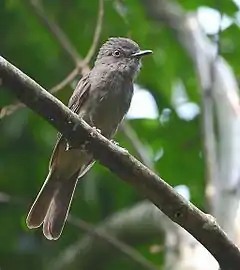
(110, 98)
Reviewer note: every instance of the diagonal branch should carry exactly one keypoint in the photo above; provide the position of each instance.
(203, 227)
(135, 225)
(194, 42)
(56, 31)
(124, 248)
(60, 36)
(137, 145)
(97, 233)
(8, 110)
(96, 36)
(70, 77)
(225, 94)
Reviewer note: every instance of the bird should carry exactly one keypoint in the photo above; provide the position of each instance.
(101, 98)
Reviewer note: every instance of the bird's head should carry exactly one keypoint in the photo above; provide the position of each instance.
(121, 54)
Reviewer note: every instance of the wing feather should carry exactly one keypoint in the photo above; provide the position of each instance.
(76, 101)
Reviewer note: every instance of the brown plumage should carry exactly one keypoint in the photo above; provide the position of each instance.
(101, 98)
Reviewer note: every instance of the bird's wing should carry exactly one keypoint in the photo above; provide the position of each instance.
(76, 101)
(80, 94)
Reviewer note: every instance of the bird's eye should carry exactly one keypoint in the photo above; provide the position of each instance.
(116, 53)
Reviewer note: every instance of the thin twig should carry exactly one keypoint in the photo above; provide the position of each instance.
(70, 77)
(88, 228)
(10, 199)
(131, 135)
(209, 134)
(55, 30)
(97, 34)
(7, 110)
(121, 246)
(209, 143)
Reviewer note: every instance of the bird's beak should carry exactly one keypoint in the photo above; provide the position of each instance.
(141, 53)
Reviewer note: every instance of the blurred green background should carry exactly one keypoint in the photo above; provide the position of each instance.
(170, 137)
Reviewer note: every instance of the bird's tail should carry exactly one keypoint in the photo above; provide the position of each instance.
(59, 208)
(52, 205)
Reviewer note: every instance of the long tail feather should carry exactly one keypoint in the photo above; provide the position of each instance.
(43, 200)
(59, 208)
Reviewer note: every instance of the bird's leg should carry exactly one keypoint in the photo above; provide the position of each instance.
(83, 146)
(68, 146)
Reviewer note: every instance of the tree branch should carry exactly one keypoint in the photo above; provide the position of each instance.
(203, 227)
(55, 30)
(97, 34)
(209, 143)
(225, 93)
(9, 109)
(107, 240)
(133, 254)
(135, 225)
(137, 144)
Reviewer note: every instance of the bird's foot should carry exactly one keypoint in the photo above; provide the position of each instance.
(121, 149)
(82, 147)
(95, 129)
(68, 147)
(114, 142)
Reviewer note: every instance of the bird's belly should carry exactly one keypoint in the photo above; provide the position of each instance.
(107, 118)
(109, 112)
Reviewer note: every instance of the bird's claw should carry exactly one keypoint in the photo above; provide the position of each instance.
(121, 149)
(68, 147)
(95, 129)
(81, 147)
(114, 142)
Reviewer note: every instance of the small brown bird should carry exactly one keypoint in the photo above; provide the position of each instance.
(101, 98)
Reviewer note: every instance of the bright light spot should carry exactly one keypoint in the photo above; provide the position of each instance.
(188, 111)
(165, 116)
(143, 105)
(237, 2)
(237, 18)
(209, 19)
(159, 155)
(184, 108)
(184, 191)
